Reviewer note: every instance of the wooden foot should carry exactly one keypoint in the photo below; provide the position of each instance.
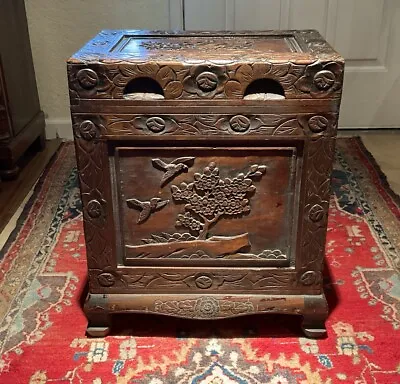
(99, 324)
(313, 329)
(99, 320)
(97, 331)
(314, 316)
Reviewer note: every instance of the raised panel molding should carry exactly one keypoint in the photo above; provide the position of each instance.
(262, 13)
(176, 14)
(308, 14)
(359, 25)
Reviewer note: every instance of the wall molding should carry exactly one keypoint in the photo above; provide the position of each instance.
(61, 128)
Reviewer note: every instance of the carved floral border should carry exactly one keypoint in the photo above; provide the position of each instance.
(207, 81)
(314, 125)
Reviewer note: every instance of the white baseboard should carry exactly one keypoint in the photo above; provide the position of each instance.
(61, 128)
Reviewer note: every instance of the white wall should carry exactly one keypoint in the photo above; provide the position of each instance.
(60, 27)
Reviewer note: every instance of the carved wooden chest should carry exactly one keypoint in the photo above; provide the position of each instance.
(204, 162)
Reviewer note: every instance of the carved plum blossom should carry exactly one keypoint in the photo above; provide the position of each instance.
(309, 278)
(94, 204)
(155, 124)
(203, 281)
(106, 279)
(240, 123)
(210, 197)
(87, 78)
(94, 209)
(205, 81)
(321, 79)
(88, 130)
(317, 213)
(318, 124)
(324, 80)
(207, 307)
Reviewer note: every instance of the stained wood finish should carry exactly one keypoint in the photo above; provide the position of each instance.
(200, 204)
(21, 120)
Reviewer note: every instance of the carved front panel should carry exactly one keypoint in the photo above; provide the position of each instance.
(206, 206)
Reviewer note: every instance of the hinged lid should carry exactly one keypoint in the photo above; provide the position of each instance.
(206, 64)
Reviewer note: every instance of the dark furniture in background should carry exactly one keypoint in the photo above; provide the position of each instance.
(21, 120)
(204, 163)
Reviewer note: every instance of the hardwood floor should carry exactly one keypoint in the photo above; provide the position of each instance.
(13, 193)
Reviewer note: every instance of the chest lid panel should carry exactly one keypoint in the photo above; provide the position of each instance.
(241, 47)
(205, 65)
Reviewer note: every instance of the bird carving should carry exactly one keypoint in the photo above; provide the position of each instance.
(146, 208)
(174, 168)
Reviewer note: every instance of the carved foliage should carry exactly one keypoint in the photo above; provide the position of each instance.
(180, 81)
(206, 307)
(87, 78)
(317, 190)
(210, 198)
(321, 80)
(93, 171)
(147, 280)
(217, 124)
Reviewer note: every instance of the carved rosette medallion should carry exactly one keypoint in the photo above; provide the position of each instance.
(88, 130)
(207, 81)
(308, 278)
(87, 78)
(94, 209)
(318, 124)
(316, 213)
(324, 80)
(106, 279)
(207, 307)
(203, 282)
(239, 123)
(155, 124)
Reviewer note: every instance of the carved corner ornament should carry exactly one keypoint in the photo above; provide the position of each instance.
(88, 129)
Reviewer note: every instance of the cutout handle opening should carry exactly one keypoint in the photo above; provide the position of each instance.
(264, 89)
(143, 88)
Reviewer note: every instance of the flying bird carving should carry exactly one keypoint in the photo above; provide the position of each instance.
(146, 208)
(174, 168)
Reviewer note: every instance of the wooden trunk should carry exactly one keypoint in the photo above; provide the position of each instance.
(204, 162)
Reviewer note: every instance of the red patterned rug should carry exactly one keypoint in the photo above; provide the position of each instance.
(42, 277)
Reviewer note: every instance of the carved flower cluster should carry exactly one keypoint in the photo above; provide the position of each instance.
(208, 180)
(188, 221)
(210, 197)
(205, 80)
(207, 307)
